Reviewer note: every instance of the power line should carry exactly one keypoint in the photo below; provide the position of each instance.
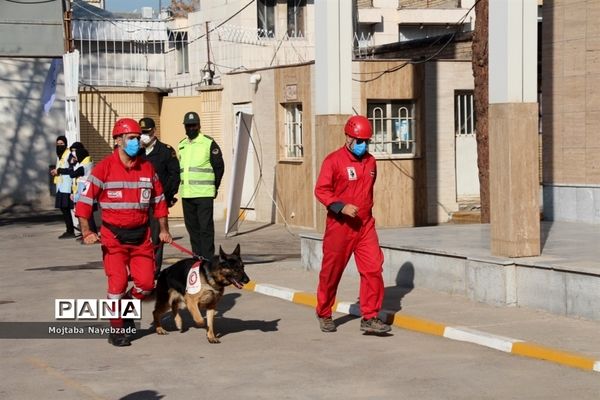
(31, 2)
(395, 68)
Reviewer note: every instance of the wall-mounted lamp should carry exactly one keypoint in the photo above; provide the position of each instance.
(254, 79)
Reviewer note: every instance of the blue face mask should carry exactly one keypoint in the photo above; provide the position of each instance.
(132, 147)
(359, 149)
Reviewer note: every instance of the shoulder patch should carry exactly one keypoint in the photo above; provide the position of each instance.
(215, 151)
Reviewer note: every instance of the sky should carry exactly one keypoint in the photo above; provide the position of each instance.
(130, 5)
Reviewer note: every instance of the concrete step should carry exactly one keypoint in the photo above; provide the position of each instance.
(456, 259)
(465, 217)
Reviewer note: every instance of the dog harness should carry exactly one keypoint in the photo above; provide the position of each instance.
(194, 283)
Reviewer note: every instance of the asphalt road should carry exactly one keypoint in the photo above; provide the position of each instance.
(270, 348)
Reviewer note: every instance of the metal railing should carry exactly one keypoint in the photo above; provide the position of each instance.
(143, 53)
(121, 52)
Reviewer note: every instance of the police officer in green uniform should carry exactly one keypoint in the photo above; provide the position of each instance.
(202, 168)
(165, 163)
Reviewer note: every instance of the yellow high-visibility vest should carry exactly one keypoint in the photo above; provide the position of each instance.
(197, 175)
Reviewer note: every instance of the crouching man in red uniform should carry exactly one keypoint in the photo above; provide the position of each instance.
(126, 187)
(345, 187)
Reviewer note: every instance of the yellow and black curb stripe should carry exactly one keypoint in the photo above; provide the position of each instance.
(463, 334)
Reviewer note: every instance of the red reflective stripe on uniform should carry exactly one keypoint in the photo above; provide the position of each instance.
(86, 200)
(124, 194)
(96, 181)
(123, 206)
(157, 199)
(128, 185)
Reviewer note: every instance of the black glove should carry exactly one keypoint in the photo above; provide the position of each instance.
(172, 202)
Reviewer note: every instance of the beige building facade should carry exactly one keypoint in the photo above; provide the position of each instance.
(571, 110)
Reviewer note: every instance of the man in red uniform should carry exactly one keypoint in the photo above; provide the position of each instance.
(345, 187)
(126, 187)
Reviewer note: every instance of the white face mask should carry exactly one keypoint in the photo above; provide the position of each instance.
(145, 139)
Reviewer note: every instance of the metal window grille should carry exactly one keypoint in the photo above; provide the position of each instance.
(295, 18)
(179, 41)
(394, 129)
(293, 131)
(120, 52)
(265, 10)
(464, 113)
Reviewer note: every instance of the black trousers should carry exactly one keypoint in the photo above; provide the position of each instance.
(66, 212)
(64, 203)
(198, 218)
(158, 245)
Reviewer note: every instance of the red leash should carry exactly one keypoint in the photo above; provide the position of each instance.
(183, 249)
(201, 261)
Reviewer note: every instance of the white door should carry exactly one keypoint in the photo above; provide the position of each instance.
(249, 187)
(467, 173)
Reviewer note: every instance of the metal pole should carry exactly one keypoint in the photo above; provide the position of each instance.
(208, 45)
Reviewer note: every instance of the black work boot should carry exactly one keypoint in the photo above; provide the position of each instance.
(67, 235)
(118, 340)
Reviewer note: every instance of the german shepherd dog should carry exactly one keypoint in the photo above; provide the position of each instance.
(224, 270)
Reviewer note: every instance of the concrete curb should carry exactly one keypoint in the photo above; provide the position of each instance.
(463, 334)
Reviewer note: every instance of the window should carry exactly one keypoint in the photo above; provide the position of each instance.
(179, 41)
(295, 18)
(394, 128)
(265, 17)
(422, 31)
(293, 131)
(464, 113)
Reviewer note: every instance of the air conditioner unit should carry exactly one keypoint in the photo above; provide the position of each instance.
(147, 12)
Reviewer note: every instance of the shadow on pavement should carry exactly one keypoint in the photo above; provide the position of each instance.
(79, 267)
(223, 325)
(143, 395)
(392, 299)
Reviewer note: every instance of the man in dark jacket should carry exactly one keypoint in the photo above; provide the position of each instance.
(165, 162)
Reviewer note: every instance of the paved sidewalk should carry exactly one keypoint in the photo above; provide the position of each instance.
(272, 253)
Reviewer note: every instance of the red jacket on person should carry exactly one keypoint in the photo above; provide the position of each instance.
(346, 179)
(124, 194)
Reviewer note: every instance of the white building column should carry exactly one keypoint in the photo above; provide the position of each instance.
(333, 57)
(513, 128)
(333, 83)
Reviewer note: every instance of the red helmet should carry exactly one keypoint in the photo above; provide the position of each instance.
(126, 125)
(358, 127)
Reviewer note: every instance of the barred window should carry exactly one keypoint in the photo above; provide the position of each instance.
(293, 131)
(394, 128)
(464, 113)
(295, 18)
(179, 41)
(265, 17)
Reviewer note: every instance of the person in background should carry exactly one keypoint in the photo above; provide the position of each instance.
(81, 167)
(62, 180)
(345, 186)
(202, 169)
(165, 163)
